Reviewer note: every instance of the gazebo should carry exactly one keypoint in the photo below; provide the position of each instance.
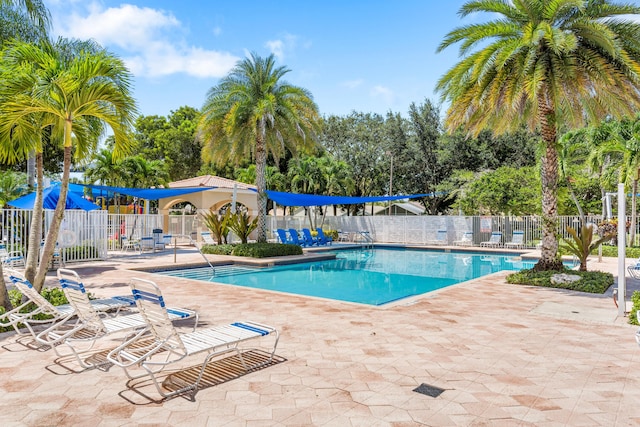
(221, 191)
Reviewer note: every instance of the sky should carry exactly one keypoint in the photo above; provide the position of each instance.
(366, 56)
(360, 55)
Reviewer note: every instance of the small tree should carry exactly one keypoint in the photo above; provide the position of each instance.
(242, 225)
(217, 224)
(582, 244)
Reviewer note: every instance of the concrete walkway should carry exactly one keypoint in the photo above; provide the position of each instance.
(503, 355)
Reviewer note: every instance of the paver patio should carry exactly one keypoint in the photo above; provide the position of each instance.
(504, 355)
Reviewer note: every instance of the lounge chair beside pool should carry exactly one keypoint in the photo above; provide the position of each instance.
(207, 239)
(295, 238)
(441, 238)
(282, 235)
(322, 238)
(57, 313)
(90, 325)
(465, 240)
(517, 240)
(168, 346)
(634, 270)
(494, 241)
(13, 259)
(307, 238)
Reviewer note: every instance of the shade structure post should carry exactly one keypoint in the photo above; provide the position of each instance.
(622, 232)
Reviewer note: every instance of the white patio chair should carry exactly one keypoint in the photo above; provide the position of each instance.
(465, 240)
(130, 244)
(57, 313)
(207, 238)
(441, 238)
(634, 270)
(169, 346)
(90, 325)
(517, 240)
(494, 241)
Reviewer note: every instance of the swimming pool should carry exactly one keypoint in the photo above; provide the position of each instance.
(373, 276)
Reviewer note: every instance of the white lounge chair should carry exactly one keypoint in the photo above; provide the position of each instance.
(441, 238)
(130, 244)
(634, 270)
(517, 240)
(56, 313)
(90, 325)
(494, 241)
(147, 244)
(465, 240)
(169, 346)
(207, 239)
(13, 259)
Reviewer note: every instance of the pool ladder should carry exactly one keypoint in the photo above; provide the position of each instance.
(192, 242)
(367, 239)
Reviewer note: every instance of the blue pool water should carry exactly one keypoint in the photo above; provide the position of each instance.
(374, 276)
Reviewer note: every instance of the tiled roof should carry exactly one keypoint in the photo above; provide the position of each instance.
(209, 181)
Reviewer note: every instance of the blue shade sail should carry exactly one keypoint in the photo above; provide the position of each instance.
(50, 198)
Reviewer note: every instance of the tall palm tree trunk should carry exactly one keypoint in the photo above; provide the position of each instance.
(35, 232)
(261, 182)
(549, 179)
(58, 214)
(634, 203)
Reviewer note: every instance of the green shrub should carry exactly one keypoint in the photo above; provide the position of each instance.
(80, 252)
(54, 295)
(595, 282)
(265, 250)
(635, 299)
(217, 249)
(217, 224)
(612, 251)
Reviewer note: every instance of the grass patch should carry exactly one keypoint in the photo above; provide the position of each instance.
(612, 251)
(594, 282)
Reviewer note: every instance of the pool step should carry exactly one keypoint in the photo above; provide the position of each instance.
(232, 270)
(206, 274)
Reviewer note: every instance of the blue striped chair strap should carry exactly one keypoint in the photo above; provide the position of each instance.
(72, 284)
(179, 313)
(148, 296)
(250, 328)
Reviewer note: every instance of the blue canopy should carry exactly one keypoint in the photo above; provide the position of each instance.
(149, 193)
(293, 199)
(50, 198)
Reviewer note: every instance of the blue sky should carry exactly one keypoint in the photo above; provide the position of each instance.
(368, 56)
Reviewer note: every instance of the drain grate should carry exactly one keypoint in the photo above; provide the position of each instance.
(428, 390)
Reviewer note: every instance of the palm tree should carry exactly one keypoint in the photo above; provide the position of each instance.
(622, 148)
(547, 64)
(75, 92)
(34, 10)
(12, 186)
(254, 112)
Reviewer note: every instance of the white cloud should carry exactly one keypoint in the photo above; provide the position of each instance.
(382, 92)
(285, 45)
(352, 84)
(276, 47)
(150, 40)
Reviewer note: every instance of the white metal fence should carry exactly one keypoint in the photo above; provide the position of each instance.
(86, 236)
(422, 229)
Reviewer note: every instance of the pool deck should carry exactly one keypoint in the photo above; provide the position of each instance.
(505, 355)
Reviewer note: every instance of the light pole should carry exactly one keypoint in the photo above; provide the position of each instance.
(390, 178)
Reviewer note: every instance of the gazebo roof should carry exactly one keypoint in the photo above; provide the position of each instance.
(210, 181)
